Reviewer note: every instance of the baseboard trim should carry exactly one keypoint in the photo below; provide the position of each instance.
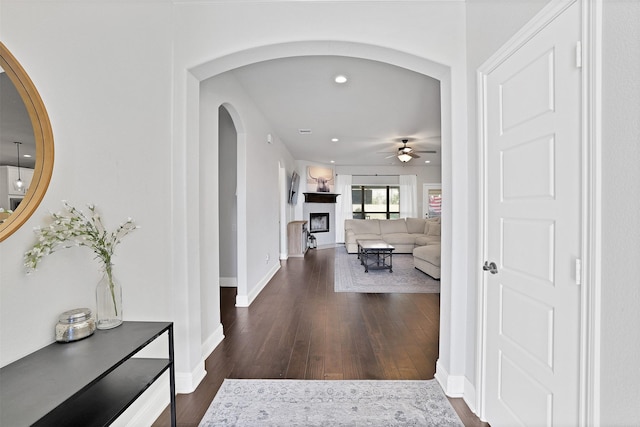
(188, 382)
(246, 300)
(453, 385)
(212, 342)
(470, 395)
(228, 282)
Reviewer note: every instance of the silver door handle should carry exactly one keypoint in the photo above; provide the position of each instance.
(490, 267)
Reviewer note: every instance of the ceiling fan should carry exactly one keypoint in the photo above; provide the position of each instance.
(405, 153)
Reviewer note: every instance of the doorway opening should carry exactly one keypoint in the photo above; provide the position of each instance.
(227, 198)
(451, 260)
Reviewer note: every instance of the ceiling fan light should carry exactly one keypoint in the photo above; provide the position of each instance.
(404, 157)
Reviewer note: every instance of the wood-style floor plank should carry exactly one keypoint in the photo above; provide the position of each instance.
(299, 328)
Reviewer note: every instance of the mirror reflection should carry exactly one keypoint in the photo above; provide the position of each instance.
(17, 147)
(26, 145)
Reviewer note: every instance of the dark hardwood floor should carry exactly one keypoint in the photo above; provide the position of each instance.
(299, 328)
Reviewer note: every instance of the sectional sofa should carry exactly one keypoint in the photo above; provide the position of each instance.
(417, 236)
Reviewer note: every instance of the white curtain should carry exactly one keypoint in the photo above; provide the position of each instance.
(344, 205)
(408, 196)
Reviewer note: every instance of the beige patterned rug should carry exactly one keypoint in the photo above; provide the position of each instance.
(280, 403)
(349, 276)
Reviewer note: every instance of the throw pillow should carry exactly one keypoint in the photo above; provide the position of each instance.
(415, 225)
(434, 229)
(428, 221)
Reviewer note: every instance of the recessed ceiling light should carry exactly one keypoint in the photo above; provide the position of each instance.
(340, 79)
(27, 155)
(334, 140)
(427, 161)
(332, 161)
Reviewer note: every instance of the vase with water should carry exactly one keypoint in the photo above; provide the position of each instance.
(108, 300)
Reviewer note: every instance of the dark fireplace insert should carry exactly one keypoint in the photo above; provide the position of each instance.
(319, 222)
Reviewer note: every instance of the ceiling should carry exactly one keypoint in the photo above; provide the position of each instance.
(15, 126)
(378, 106)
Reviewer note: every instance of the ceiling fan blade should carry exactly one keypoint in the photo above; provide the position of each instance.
(425, 151)
(415, 156)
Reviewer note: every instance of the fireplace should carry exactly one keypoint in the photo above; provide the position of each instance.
(318, 222)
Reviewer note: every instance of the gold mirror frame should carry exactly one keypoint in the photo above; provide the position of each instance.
(43, 139)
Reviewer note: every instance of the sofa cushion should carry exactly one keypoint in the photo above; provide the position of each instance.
(428, 253)
(428, 221)
(415, 225)
(399, 238)
(434, 229)
(366, 236)
(427, 240)
(364, 226)
(393, 226)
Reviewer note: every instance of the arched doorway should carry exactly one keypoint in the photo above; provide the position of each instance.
(227, 198)
(454, 258)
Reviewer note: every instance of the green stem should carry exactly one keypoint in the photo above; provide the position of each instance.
(112, 288)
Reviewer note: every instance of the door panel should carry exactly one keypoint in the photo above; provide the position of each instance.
(533, 82)
(527, 170)
(532, 224)
(536, 260)
(523, 396)
(535, 338)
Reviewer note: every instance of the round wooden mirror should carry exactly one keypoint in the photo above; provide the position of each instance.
(42, 138)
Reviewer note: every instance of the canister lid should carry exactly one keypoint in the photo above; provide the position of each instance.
(76, 315)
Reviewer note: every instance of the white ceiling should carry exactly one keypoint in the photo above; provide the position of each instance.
(378, 106)
(15, 126)
(370, 114)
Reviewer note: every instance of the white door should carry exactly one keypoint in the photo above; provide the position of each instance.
(532, 195)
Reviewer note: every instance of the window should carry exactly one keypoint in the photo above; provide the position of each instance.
(375, 202)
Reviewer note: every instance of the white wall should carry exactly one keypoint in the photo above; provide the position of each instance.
(108, 94)
(260, 174)
(121, 82)
(620, 375)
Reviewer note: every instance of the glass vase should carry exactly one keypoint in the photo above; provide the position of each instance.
(108, 301)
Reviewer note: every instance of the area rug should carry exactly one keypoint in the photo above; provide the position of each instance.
(350, 276)
(330, 403)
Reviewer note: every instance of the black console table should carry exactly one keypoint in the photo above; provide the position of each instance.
(84, 383)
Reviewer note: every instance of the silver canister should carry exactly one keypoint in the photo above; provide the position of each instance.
(74, 325)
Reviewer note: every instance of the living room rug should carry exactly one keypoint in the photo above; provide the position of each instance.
(330, 403)
(350, 276)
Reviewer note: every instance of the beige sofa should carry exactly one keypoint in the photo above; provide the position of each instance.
(427, 259)
(417, 236)
(404, 234)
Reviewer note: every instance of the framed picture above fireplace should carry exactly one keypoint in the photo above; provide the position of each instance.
(318, 222)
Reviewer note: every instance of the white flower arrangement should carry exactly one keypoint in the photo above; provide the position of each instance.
(74, 228)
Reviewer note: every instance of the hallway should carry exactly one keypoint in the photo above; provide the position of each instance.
(299, 328)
